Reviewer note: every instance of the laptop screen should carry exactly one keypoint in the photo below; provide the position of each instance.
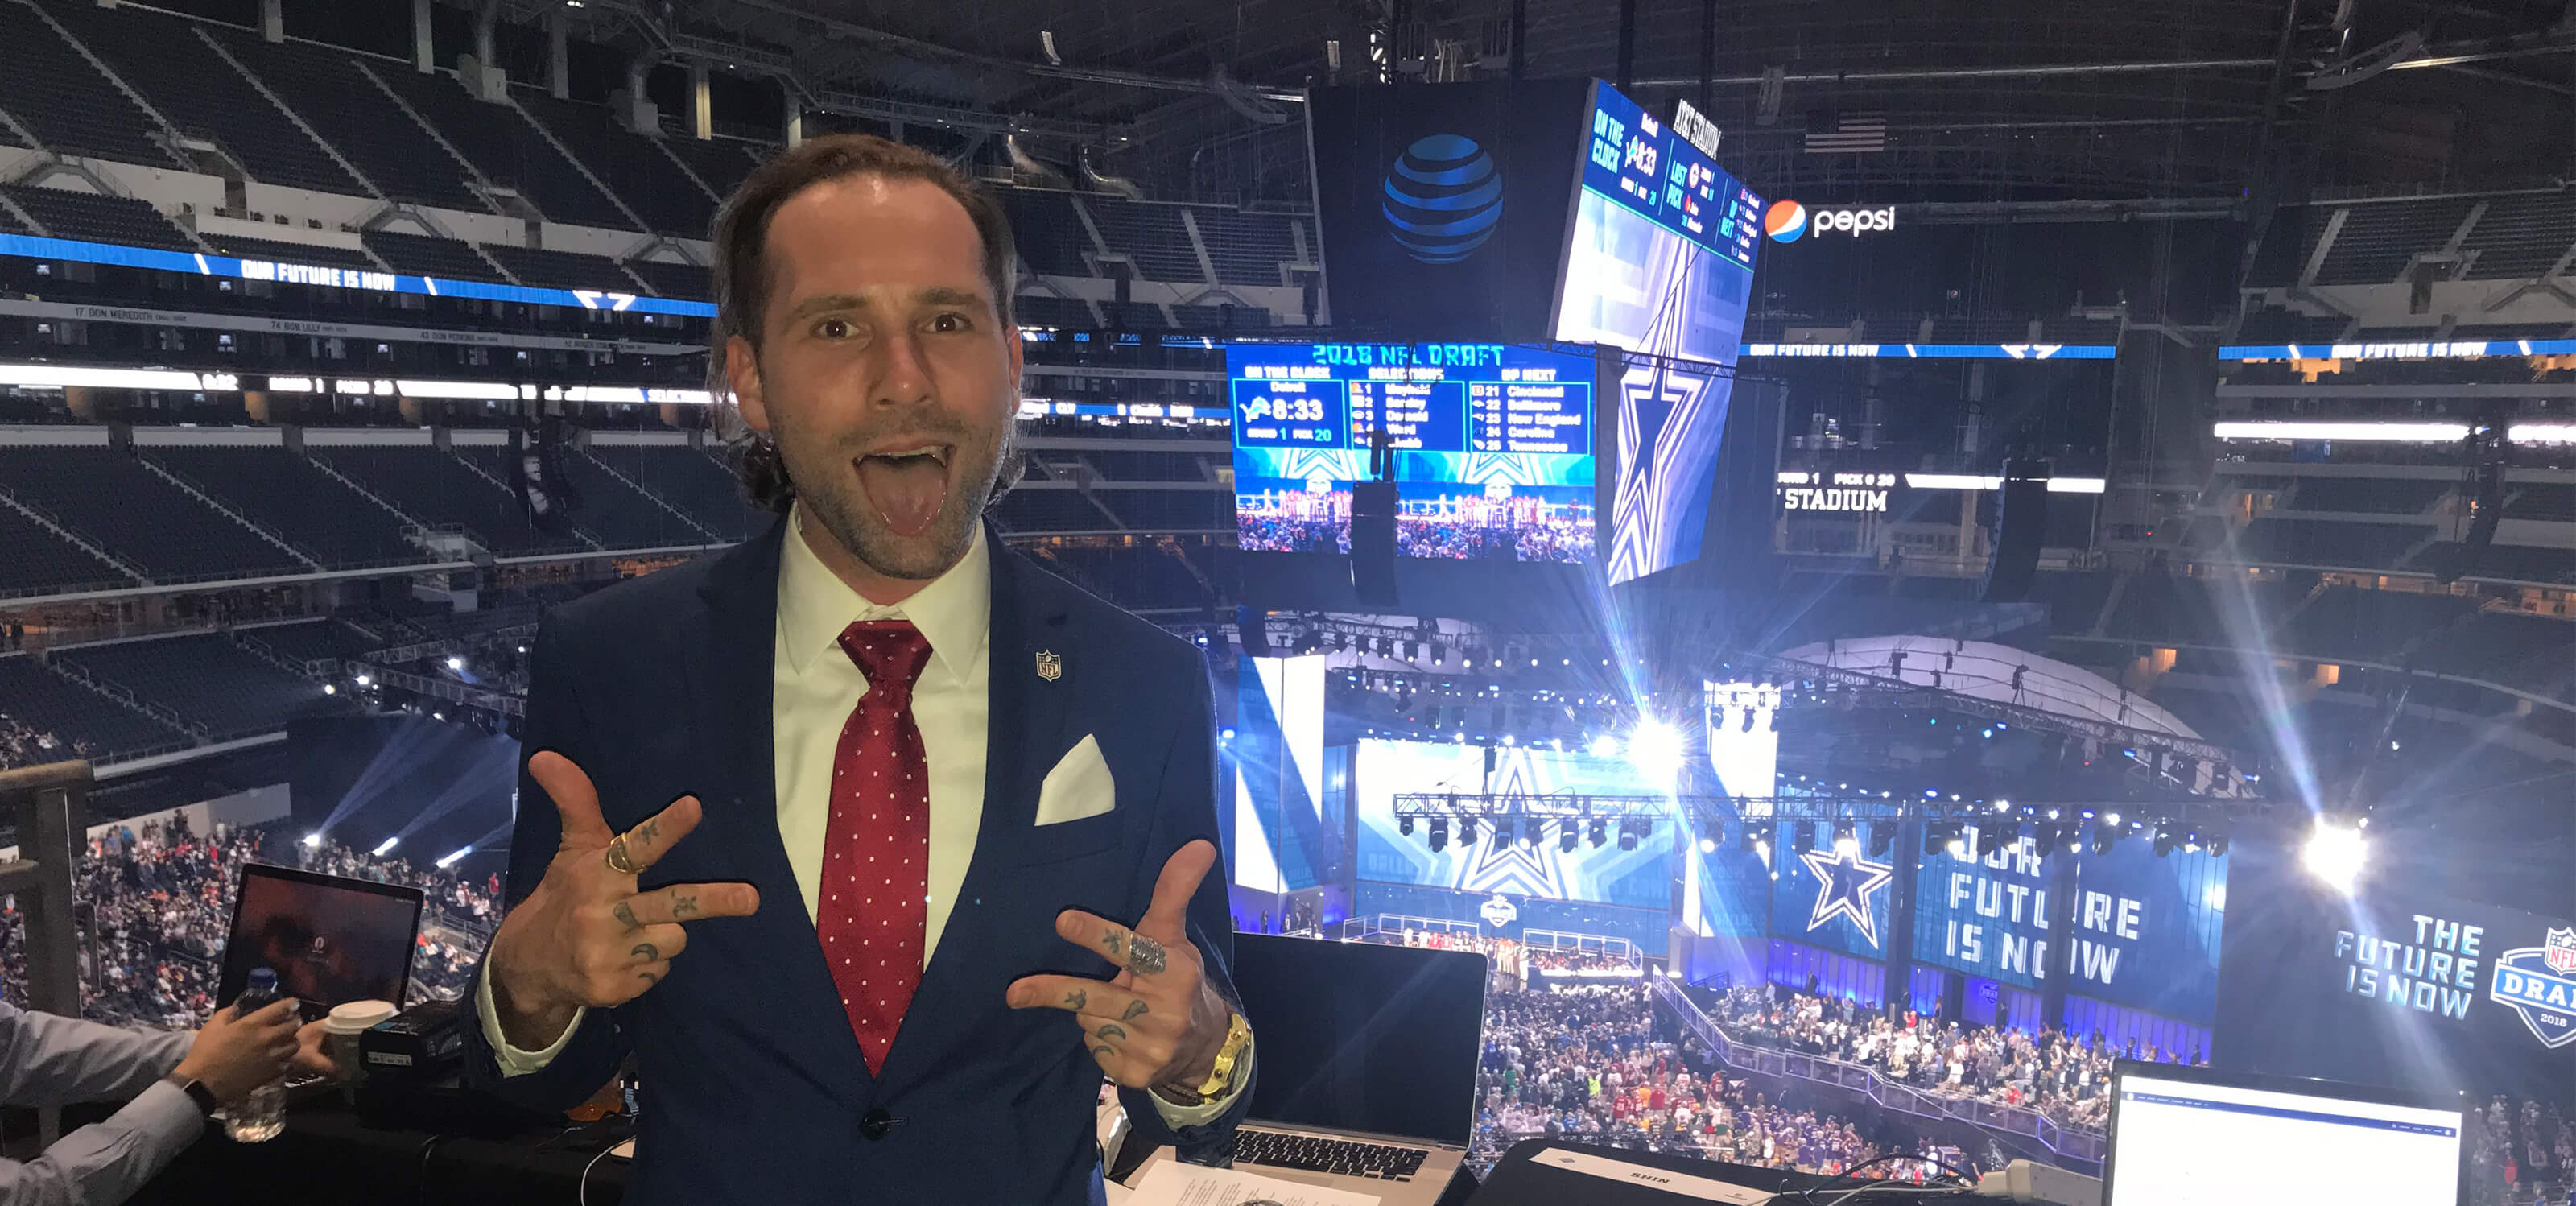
(2188, 1135)
(332, 940)
(1357, 1037)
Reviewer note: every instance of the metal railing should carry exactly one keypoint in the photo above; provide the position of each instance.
(50, 805)
(2016, 1121)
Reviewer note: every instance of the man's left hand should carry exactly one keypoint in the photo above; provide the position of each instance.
(1159, 1023)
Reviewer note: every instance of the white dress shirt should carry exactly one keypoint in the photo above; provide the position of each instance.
(814, 686)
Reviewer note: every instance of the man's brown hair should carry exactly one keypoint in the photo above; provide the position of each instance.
(743, 275)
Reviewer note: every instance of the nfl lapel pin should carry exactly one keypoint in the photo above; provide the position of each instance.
(1050, 665)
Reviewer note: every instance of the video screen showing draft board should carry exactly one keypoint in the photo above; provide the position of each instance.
(1492, 446)
(1660, 264)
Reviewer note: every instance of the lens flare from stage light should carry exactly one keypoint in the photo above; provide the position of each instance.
(312, 840)
(2335, 855)
(1846, 844)
(449, 859)
(1708, 845)
(1605, 746)
(1655, 749)
(386, 846)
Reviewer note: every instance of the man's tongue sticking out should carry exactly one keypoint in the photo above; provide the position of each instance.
(908, 491)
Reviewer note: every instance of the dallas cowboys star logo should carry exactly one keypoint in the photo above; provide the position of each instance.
(1844, 881)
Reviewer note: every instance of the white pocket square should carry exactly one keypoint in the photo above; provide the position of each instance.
(1078, 787)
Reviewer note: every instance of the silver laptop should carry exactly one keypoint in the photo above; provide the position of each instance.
(1365, 1064)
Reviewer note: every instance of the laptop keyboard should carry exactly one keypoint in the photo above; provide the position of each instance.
(1339, 1156)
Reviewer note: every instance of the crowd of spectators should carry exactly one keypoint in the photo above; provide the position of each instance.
(158, 900)
(2066, 1078)
(1585, 1063)
(2520, 1156)
(1561, 538)
(23, 744)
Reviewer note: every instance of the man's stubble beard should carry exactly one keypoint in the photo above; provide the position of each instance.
(827, 485)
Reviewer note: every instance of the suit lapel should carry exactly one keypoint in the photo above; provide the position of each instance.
(1023, 731)
(730, 673)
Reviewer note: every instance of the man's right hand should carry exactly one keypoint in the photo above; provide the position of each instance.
(585, 936)
(235, 1053)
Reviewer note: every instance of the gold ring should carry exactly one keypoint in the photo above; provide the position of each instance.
(618, 860)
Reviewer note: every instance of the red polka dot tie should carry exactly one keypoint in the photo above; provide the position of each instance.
(876, 863)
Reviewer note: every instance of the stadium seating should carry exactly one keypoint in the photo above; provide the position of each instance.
(2522, 235)
(1169, 510)
(506, 148)
(1247, 249)
(2541, 500)
(1151, 465)
(2328, 543)
(1134, 316)
(98, 726)
(686, 478)
(334, 95)
(2502, 562)
(2375, 495)
(2516, 650)
(2369, 625)
(64, 101)
(114, 500)
(208, 680)
(692, 282)
(1049, 233)
(1142, 578)
(607, 508)
(96, 217)
(311, 509)
(35, 561)
(438, 489)
(561, 269)
(1220, 318)
(426, 256)
(308, 640)
(1149, 233)
(2281, 326)
(636, 170)
(2377, 241)
(163, 58)
(1041, 310)
(290, 253)
(1050, 511)
(720, 162)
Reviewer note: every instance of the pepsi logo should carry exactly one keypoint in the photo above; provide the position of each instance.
(1443, 198)
(1785, 221)
(1788, 221)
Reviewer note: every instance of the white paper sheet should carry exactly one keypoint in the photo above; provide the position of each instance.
(1174, 1183)
(1650, 1178)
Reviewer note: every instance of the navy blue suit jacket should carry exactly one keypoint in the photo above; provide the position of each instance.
(753, 1084)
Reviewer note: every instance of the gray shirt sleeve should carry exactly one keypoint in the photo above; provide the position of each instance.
(48, 1060)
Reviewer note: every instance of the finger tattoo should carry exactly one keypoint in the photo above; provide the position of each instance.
(1102, 1052)
(684, 907)
(647, 952)
(1110, 940)
(648, 830)
(626, 916)
(1111, 1030)
(1135, 1010)
(647, 977)
(1074, 1000)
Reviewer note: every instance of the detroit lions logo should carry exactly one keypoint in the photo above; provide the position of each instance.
(2533, 981)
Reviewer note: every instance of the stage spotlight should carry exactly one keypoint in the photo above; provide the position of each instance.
(455, 663)
(386, 845)
(1439, 835)
(1600, 835)
(2218, 842)
(1404, 826)
(1466, 831)
(1708, 845)
(1655, 749)
(1775, 720)
(1627, 835)
(1502, 833)
(1932, 838)
(1882, 838)
(1844, 842)
(365, 680)
(2111, 819)
(1605, 746)
(1716, 833)
(1748, 720)
(2165, 840)
(1956, 846)
(2008, 833)
(2336, 854)
(1751, 839)
(312, 840)
(2191, 842)
(449, 859)
(1568, 833)
(2104, 836)
(2074, 840)
(328, 689)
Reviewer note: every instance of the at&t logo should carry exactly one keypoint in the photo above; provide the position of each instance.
(1787, 221)
(1443, 198)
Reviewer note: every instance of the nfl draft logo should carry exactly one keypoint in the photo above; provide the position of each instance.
(1499, 912)
(1050, 665)
(2535, 982)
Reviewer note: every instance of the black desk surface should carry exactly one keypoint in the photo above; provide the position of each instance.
(327, 1155)
(1517, 1180)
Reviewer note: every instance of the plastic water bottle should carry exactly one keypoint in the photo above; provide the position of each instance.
(260, 1116)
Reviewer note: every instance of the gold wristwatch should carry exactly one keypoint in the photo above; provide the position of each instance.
(1221, 1076)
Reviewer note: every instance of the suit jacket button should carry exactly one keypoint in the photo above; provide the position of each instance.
(874, 1125)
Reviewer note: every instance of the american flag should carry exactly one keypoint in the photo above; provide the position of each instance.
(1846, 133)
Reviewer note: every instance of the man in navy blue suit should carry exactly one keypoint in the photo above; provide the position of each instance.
(849, 821)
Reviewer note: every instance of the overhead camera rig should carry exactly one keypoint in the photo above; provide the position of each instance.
(2174, 823)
